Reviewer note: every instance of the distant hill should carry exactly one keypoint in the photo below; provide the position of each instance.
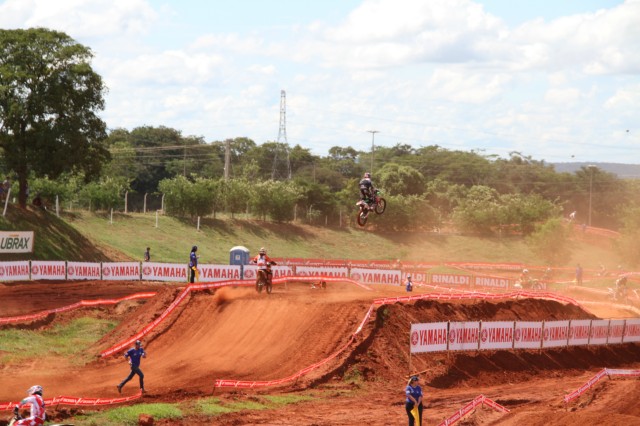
(623, 171)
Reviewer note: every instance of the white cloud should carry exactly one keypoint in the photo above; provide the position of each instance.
(80, 18)
(563, 96)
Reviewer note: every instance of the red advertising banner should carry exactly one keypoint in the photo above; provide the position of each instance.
(599, 332)
(48, 270)
(83, 270)
(579, 331)
(464, 336)
(120, 271)
(496, 335)
(632, 331)
(616, 331)
(15, 271)
(429, 337)
(527, 335)
(555, 334)
(174, 272)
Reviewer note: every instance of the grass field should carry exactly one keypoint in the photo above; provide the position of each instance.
(95, 236)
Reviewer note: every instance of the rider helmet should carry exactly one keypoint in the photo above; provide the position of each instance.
(138, 342)
(262, 250)
(367, 175)
(194, 248)
(525, 271)
(408, 275)
(35, 389)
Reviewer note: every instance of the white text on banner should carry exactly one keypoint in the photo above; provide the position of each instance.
(429, 337)
(451, 279)
(496, 335)
(527, 335)
(464, 336)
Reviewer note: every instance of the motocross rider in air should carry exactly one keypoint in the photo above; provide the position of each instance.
(367, 190)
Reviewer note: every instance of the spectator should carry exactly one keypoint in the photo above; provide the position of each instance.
(147, 255)
(409, 284)
(413, 392)
(193, 264)
(578, 275)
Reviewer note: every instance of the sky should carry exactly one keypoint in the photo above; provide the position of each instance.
(556, 80)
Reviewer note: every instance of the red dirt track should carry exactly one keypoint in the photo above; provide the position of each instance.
(236, 333)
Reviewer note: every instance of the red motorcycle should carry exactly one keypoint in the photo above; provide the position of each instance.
(264, 279)
(378, 205)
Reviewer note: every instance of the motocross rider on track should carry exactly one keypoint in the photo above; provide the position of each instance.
(264, 263)
(34, 399)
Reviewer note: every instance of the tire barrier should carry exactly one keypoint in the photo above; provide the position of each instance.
(609, 372)
(478, 400)
(78, 402)
(77, 305)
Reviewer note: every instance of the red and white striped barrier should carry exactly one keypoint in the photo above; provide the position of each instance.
(595, 379)
(478, 400)
(79, 402)
(80, 304)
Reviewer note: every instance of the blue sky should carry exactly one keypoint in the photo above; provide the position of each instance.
(555, 80)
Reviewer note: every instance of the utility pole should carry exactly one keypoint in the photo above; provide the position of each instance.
(591, 168)
(373, 137)
(282, 137)
(227, 158)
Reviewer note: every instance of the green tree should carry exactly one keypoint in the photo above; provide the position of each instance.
(551, 241)
(396, 179)
(49, 103)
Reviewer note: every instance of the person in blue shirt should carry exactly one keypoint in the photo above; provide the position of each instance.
(413, 392)
(193, 264)
(134, 355)
(409, 283)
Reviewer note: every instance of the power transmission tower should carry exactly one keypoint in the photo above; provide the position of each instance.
(227, 158)
(282, 137)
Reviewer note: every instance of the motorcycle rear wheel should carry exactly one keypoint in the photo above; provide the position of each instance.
(381, 206)
(268, 287)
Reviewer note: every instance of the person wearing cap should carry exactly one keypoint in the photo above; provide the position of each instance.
(409, 284)
(134, 355)
(413, 392)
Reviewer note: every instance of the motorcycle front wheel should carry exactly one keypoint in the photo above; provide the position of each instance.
(362, 217)
(269, 287)
(381, 206)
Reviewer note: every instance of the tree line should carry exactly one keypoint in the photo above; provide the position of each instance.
(54, 143)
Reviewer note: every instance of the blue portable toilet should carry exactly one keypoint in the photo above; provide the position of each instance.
(239, 255)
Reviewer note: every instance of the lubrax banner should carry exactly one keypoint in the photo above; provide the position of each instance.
(16, 242)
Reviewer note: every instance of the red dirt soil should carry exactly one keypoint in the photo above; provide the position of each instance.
(236, 333)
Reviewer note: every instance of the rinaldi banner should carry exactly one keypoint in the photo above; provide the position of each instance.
(16, 241)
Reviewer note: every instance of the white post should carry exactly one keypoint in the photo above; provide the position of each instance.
(112, 215)
(156, 218)
(162, 204)
(126, 195)
(70, 205)
(144, 205)
(198, 228)
(6, 202)
(57, 206)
